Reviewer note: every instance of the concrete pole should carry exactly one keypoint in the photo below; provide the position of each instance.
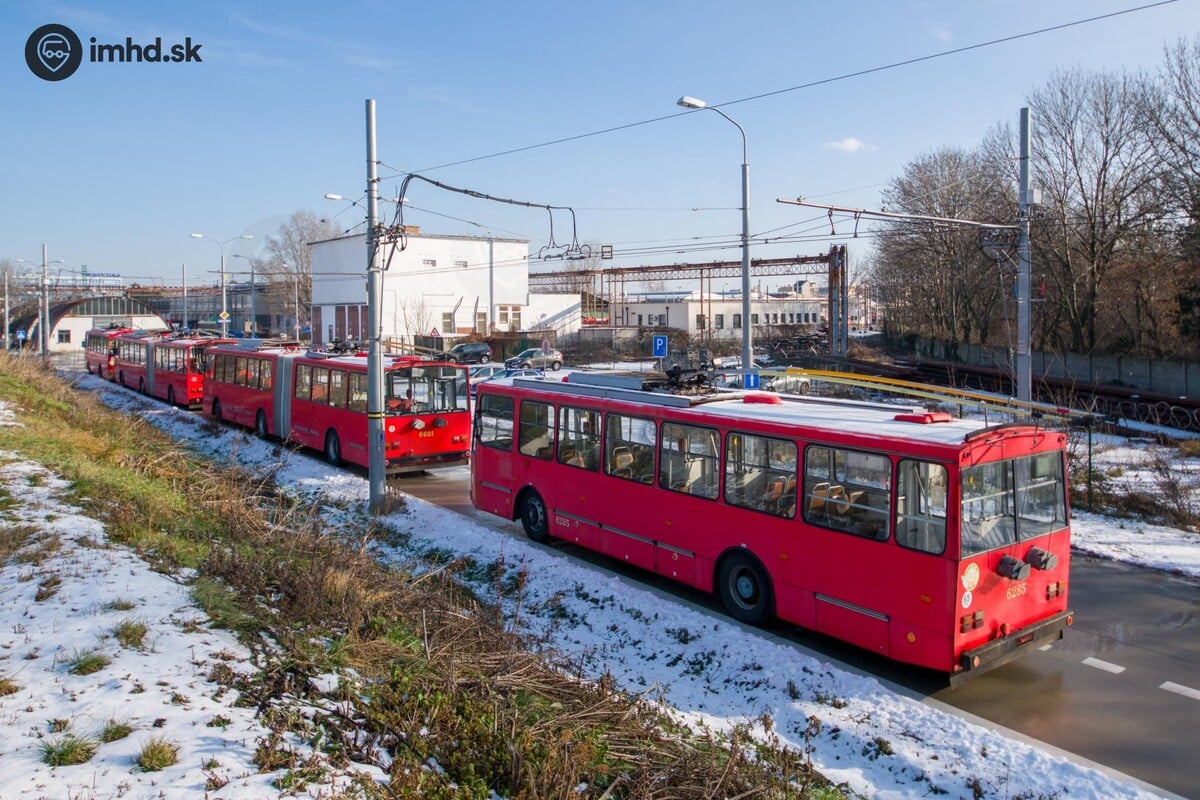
(6, 320)
(224, 308)
(491, 320)
(185, 316)
(44, 324)
(1024, 371)
(375, 413)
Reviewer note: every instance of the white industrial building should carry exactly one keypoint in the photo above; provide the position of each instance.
(720, 316)
(437, 285)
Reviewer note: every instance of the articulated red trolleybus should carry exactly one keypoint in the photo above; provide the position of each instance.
(934, 541)
(319, 400)
(164, 365)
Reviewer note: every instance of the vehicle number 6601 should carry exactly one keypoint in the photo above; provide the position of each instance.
(1015, 591)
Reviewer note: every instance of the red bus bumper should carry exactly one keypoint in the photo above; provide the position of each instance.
(400, 466)
(1001, 651)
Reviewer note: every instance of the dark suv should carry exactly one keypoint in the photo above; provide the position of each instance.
(469, 353)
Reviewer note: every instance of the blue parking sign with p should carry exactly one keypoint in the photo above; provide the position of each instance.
(659, 345)
(20, 335)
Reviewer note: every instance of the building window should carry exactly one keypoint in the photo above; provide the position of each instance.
(481, 322)
(447, 322)
(429, 262)
(502, 315)
(737, 320)
(700, 322)
(754, 319)
(719, 321)
(461, 264)
(64, 337)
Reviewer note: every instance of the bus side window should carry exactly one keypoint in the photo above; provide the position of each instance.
(537, 428)
(494, 421)
(358, 392)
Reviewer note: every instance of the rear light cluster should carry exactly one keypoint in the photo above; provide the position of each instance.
(970, 622)
(1055, 589)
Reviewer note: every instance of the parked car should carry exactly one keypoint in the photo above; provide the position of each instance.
(468, 353)
(517, 372)
(536, 357)
(483, 371)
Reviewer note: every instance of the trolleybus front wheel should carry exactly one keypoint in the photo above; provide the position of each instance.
(534, 518)
(260, 424)
(171, 395)
(745, 589)
(216, 411)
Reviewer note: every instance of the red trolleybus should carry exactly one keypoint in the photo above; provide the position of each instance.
(175, 368)
(320, 400)
(930, 540)
(99, 351)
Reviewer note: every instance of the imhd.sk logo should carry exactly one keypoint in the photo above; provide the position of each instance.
(53, 52)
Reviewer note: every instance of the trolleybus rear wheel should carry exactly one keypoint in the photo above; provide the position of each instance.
(217, 411)
(534, 518)
(171, 395)
(260, 424)
(333, 449)
(745, 589)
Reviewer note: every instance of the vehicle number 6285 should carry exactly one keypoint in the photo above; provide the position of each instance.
(1015, 591)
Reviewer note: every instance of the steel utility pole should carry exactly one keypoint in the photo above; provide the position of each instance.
(375, 415)
(1026, 199)
(6, 309)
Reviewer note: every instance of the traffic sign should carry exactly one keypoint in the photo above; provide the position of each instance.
(751, 380)
(20, 335)
(436, 332)
(659, 344)
(224, 315)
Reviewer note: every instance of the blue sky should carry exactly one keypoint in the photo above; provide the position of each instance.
(115, 166)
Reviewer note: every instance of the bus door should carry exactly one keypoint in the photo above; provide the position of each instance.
(492, 454)
(628, 494)
(576, 507)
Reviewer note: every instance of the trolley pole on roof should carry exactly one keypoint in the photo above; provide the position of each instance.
(375, 444)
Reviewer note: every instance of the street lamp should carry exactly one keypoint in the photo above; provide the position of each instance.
(221, 244)
(747, 352)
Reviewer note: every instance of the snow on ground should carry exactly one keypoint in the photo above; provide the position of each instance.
(712, 671)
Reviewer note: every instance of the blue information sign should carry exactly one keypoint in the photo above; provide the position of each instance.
(20, 336)
(659, 343)
(751, 381)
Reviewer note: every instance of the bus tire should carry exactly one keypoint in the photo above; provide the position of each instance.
(171, 395)
(534, 518)
(121, 378)
(142, 386)
(260, 424)
(485, 358)
(745, 588)
(333, 449)
(216, 411)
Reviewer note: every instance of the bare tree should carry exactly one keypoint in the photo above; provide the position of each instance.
(287, 267)
(1171, 110)
(933, 277)
(1096, 167)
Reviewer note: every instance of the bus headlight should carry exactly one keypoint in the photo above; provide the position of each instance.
(439, 422)
(418, 424)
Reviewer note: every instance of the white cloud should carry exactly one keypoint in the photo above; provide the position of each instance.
(847, 145)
